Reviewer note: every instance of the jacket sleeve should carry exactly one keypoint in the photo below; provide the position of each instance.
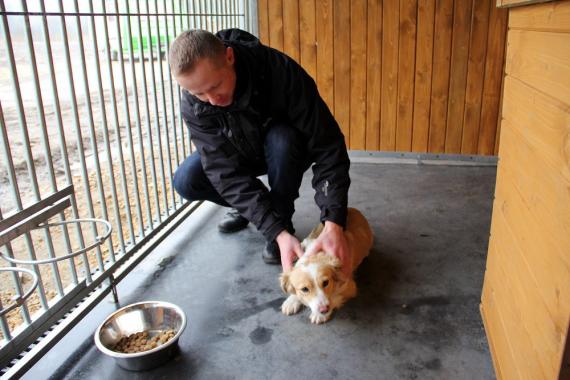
(236, 185)
(300, 99)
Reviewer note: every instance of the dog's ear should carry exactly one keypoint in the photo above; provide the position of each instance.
(338, 276)
(285, 283)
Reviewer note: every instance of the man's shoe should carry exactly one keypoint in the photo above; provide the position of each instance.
(232, 222)
(271, 253)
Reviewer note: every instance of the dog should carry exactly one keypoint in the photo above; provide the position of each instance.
(317, 281)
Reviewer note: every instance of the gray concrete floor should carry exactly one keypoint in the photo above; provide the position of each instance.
(416, 315)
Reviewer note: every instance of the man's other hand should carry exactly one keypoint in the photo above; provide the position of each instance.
(332, 241)
(289, 247)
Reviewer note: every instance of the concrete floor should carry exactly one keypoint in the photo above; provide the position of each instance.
(416, 316)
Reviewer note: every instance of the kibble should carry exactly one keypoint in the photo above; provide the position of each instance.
(142, 341)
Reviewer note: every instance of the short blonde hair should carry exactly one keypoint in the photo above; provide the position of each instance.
(191, 46)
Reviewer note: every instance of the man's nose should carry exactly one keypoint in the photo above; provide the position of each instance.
(213, 100)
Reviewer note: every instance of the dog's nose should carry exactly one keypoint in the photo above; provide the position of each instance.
(324, 309)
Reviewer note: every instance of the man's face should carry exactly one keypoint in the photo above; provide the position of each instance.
(211, 81)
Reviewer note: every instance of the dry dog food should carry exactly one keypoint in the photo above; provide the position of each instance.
(142, 341)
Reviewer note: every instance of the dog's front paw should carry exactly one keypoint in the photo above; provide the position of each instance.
(291, 305)
(318, 318)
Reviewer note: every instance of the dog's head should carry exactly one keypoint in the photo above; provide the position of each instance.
(315, 280)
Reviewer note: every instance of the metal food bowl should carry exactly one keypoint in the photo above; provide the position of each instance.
(150, 316)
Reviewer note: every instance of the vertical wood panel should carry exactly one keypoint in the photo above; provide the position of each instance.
(406, 66)
(308, 37)
(374, 74)
(325, 76)
(263, 21)
(513, 322)
(440, 78)
(542, 60)
(390, 39)
(291, 28)
(458, 74)
(475, 74)
(551, 17)
(399, 75)
(493, 80)
(528, 266)
(341, 65)
(504, 369)
(424, 56)
(275, 12)
(358, 74)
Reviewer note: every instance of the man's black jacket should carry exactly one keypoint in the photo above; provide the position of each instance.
(270, 86)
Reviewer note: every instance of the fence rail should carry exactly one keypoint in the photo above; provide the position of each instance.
(87, 100)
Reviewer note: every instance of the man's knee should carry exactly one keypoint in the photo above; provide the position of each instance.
(187, 178)
(181, 184)
(284, 141)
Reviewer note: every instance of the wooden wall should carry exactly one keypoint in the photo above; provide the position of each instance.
(399, 75)
(526, 294)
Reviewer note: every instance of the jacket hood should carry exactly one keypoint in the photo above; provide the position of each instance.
(238, 35)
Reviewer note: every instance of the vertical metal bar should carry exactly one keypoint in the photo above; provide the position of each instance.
(63, 146)
(164, 115)
(207, 15)
(119, 144)
(100, 184)
(147, 112)
(214, 8)
(171, 86)
(99, 81)
(4, 326)
(126, 110)
(181, 122)
(138, 120)
(45, 142)
(230, 17)
(203, 21)
(246, 26)
(194, 21)
(155, 104)
(245, 17)
(26, 143)
(217, 6)
(223, 11)
(195, 27)
(78, 134)
(14, 185)
(234, 5)
(229, 13)
(93, 137)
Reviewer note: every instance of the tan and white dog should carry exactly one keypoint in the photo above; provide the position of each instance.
(317, 281)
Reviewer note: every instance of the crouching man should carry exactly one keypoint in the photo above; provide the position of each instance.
(252, 110)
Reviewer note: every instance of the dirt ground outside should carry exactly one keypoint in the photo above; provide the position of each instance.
(94, 198)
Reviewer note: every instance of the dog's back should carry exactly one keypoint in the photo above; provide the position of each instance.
(358, 235)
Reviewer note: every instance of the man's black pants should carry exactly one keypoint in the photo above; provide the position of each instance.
(285, 162)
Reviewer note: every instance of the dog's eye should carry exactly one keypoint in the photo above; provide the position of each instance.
(305, 289)
(325, 283)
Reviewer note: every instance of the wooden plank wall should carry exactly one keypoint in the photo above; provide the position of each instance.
(526, 293)
(399, 75)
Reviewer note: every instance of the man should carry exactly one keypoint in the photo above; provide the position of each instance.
(252, 110)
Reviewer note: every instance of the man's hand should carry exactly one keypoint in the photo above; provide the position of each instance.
(332, 241)
(289, 247)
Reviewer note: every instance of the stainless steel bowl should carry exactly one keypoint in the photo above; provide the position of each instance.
(151, 316)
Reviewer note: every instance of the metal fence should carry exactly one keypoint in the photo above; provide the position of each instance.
(88, 112)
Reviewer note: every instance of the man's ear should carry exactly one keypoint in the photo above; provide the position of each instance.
(230, 58)
(285, 283)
